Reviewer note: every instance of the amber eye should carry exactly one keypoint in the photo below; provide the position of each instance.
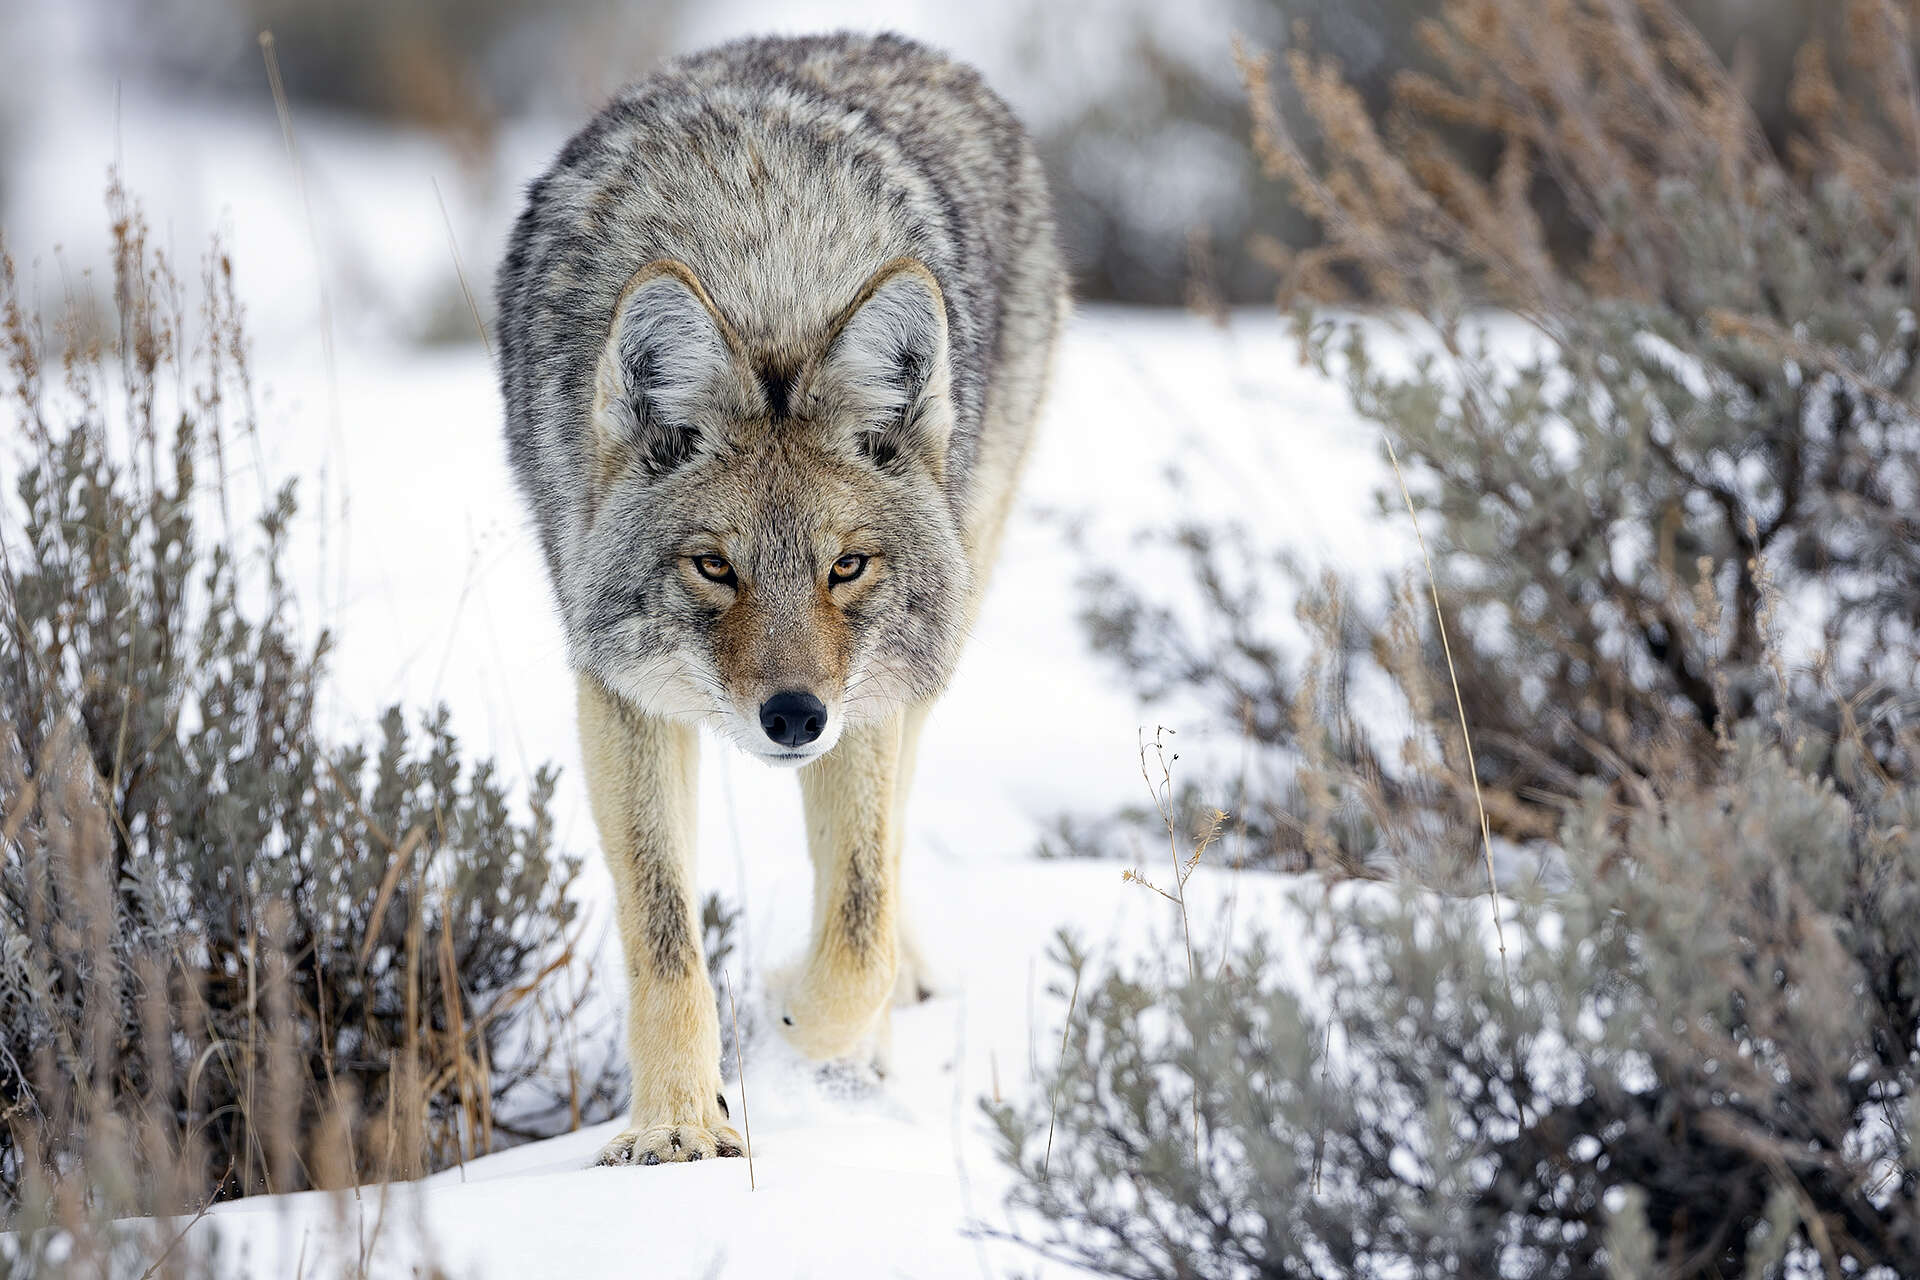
(714, 569)
(847, 568)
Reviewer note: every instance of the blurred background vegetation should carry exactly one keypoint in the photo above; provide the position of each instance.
(1158, 192)
(1137, 107)
(456, 67)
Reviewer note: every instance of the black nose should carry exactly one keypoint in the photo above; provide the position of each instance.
(792, 718)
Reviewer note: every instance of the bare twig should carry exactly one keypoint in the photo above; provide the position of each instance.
(1130, 876)
(1053, 1107)
(271, 57)
(400, 858)
(1459, 703)
(460, 270)
(739, 1069)
(174, 1243)
(1163, 801)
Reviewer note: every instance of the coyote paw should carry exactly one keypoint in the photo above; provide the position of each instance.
(668, 1143)
(829, 1016)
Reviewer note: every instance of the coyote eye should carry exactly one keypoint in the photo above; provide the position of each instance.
(714, 569)
(847, 568)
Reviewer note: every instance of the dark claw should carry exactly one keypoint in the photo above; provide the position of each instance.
(673, 1139)
(787, 1018)
(721, 1098)
(693, 1155)
(728, 1149)
(922, 994)
(651, 1157)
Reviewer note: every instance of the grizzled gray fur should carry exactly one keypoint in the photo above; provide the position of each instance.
(784, 173)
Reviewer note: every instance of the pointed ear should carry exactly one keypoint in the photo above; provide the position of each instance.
(885, 371)
(664, 371)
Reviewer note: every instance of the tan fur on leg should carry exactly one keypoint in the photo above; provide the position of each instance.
(912, 981)
(836, 1001)
(640, 774)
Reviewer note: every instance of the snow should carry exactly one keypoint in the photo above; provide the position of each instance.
(442, 597)
(435, 591)
(883, 1182)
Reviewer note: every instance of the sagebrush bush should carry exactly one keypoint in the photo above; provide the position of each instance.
(239, 951)
(1674, 487)
(1698, 1063)
(1669, 489)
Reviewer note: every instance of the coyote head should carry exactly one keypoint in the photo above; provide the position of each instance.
(772, 550)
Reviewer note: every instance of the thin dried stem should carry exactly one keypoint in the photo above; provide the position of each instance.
(1460, 706)
(460, 271)
(1054, 1107)
(740, 1069)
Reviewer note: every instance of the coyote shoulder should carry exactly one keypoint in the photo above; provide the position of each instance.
(775, 328)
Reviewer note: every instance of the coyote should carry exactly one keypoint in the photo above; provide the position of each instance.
(775, 328)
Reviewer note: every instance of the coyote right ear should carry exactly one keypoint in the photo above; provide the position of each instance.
(665, 363)
(885, 369)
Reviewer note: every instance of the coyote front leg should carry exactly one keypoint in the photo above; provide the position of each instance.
(913, 978)
(839, 996)
(640, 774)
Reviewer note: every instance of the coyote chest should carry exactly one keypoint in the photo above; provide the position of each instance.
(775, 329)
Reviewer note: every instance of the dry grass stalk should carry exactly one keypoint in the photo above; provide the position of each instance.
(1164, 805)
(740, 1070)
(460, 271)
(329, 358)
(1066, 1027)
(1466, 735)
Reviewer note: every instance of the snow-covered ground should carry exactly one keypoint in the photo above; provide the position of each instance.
(442, 597)
(893, 1181)
(431, 583)
(434, 590)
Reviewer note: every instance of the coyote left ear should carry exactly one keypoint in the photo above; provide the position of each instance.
(664, 371)
(885, 369)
